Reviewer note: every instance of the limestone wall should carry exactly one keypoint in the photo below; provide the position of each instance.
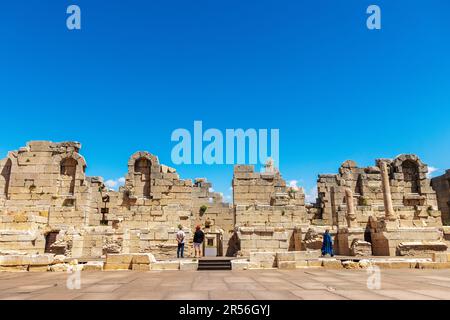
(413, 199)
(43, 187)
(217, 219)
(48, 204)
(266, 210)
(441, 186)
(44, 191)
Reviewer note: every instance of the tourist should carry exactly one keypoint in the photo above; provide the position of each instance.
(199, 236)
(327, 246)
(180, 239)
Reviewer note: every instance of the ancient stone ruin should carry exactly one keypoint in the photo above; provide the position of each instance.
(441, 185)
(49, 205)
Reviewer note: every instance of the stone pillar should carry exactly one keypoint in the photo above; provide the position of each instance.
(388, 208)
(351, 214)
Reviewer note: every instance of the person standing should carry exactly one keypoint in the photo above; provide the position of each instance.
(327, 245)
(180, 239)
(199, 237)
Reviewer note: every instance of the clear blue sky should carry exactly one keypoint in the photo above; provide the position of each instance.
(140, 69)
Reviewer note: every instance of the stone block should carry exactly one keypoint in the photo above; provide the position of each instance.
(301, 264)
(93, 266)
(188, 265)
(14, 268)
(41, 259)
(304, 255)
(14, 260)
(140, 267)
(165, 265)
(350, 265)
(38, 268)
(364, 264)
(440, 257)
(395, 264)
(314, 263)
(332, 264)
(360, 248)
(263, 259)
(143, 258)
(421, 248)
(59, 267)
(287, 265)
(240, 264)
(433, 265)
(285, 256)
(59, 259)
(117, 266)
(119, 258)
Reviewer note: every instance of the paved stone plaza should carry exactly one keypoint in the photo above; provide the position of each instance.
(242, 285)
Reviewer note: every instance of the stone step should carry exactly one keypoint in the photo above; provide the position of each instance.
(214, 264)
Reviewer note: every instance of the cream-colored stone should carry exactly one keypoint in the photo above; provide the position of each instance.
(332, 264)
(59, 267)
(350, 265)
(38, 268)
(165, 265)
(287, 265)
(240, 264)
(140, 267)
(314, 263)
(188, 265)
(93, 266)
(117, 266)
(143, 258)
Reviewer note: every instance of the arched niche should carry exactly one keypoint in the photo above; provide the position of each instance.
(68, 170)
(142, 180)
(358, 188)
(411, 176)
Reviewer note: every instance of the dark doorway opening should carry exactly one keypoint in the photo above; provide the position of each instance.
(50, 239)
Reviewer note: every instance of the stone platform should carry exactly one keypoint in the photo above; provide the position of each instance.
(314, 284)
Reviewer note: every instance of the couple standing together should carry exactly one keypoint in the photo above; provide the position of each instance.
(199, 237)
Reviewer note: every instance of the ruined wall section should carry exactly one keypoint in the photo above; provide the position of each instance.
(46, 180)
(147, 209)
(266, 210)
(43, 188)
(365, 184)
(218, 214)
(441, 186)
(410, 190)
(392, 205)
(413, 197)
(213, 214)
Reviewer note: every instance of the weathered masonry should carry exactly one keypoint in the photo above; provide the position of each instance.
(442, 187)
(49, 205)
